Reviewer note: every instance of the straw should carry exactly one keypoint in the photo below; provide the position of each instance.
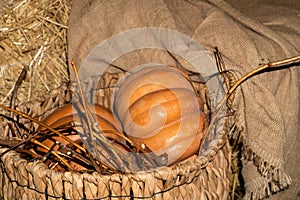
(33, 32)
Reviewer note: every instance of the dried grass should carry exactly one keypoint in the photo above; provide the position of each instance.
(33, 33)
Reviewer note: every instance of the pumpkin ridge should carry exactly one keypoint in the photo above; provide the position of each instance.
(176, 121)
(123, 118)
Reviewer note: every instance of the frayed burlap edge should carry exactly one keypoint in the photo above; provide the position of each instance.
(272, 180)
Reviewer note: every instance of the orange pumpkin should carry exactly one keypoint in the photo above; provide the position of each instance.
(67, 114)
(158, 107)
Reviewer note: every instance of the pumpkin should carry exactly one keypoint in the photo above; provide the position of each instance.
(158, 107)
(67, 114)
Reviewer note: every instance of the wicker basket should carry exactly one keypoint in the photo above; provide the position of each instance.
(205, 178)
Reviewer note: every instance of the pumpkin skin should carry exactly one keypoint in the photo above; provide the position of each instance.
(67, 114)
(158, 107)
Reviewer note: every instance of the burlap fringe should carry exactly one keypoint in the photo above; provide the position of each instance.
(273, 178)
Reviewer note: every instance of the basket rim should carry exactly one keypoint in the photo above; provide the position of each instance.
(12, 163)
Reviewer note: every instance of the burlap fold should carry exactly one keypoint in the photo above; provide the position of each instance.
(247, 35)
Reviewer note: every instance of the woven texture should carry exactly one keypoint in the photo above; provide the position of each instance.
(204, 178)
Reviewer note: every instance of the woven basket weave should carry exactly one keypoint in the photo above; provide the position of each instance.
(205, 178)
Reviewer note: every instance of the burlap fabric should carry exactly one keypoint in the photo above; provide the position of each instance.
(248, 34)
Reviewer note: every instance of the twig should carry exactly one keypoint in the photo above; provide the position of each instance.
(41, 124)
(223, 102)
(118, 158)
(221, 66)
(13, 98)
(263, 67)
(252, 73)
(89, 131)
(17, 85)
(53, 152)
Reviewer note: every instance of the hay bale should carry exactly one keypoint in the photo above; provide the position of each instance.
(33, 33)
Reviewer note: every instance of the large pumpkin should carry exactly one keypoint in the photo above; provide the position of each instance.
(159, 108)
(67, 114)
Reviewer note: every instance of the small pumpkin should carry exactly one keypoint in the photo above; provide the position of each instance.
(158, 107)
(67, 114)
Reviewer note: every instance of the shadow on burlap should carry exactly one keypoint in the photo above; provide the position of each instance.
(247, 34)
